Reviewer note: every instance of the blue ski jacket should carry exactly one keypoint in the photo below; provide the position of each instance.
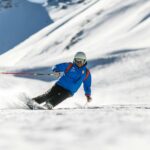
(74, 77)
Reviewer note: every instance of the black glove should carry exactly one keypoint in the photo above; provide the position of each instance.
(89, 98)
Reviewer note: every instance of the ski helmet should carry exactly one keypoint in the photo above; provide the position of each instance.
(80, 57)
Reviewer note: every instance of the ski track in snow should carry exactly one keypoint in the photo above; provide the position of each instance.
(112, 127)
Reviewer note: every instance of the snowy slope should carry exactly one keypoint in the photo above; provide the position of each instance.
(20, 21)
(115, 36)
(109, 128)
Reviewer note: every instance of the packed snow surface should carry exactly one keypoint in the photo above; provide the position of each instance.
(106, 127)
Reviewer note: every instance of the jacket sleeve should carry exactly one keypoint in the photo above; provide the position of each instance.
(60, 67)
(87, 85)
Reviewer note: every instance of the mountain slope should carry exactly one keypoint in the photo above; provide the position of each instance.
(20, 21)
(115, 37)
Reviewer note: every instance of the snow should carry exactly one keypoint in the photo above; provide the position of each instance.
(115, 36)
(38, 1)
(43, 2)
(110, 127)
(20, 21)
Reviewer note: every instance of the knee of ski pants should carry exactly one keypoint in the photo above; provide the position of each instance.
(59, 97)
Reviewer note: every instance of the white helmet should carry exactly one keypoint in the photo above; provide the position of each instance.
(80, 56)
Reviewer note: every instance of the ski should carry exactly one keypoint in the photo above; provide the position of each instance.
(35, 106)
(30, 103)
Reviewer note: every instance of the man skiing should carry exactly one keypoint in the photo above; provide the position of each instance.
(74, 74)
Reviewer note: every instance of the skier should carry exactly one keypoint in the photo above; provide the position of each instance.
(74, 74)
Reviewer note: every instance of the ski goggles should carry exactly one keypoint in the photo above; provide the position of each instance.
(79, 61)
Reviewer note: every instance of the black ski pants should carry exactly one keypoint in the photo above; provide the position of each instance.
(54, 96)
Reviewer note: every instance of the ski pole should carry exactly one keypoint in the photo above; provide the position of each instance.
(27, 73)
(86, 104)
(82, 106)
